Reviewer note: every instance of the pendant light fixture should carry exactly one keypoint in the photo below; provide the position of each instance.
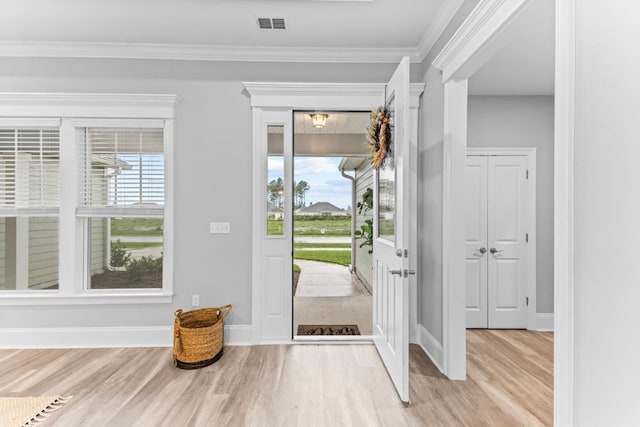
(319, 120)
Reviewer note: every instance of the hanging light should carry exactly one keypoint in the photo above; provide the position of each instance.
(319, 121)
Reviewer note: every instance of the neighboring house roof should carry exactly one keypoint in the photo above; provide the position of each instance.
(321, 207)
(273, 208)
(352, 163)
(109, 160)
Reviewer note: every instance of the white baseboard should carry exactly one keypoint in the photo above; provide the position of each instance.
(431, 347)
(105, 337)
(544, 322)
(94, 337)
(238, 334)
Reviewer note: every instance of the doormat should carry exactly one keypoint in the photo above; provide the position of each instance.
(328, 330)
(28, 411)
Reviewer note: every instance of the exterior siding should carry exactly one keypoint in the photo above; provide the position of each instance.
(3, 237)
(98, 226)
(43, 251)
(98, 245)
(364, 260)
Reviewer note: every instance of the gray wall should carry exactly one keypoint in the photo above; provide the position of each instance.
(523, 121)
(607, 212)
(430, 158)
(212, 153)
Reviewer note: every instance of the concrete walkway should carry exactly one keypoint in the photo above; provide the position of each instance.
(323, 279)
(328, 294)
(322, 239)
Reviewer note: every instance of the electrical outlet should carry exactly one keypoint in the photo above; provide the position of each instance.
(219, 228)
(195, 300)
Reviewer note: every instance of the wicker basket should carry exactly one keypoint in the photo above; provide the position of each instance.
(198, 337)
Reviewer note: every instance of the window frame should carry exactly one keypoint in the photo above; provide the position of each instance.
(71, 111)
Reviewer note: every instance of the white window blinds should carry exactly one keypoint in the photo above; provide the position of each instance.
(122, 172)
(29, 171)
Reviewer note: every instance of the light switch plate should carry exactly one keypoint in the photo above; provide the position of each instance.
(219, 228)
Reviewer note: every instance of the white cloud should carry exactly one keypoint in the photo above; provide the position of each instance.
(315, 165)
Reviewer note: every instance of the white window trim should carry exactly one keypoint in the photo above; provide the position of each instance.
(100, 110)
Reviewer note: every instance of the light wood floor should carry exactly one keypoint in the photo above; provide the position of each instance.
(510, 379)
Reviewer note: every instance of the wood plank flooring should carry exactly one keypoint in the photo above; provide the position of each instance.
(510, 380)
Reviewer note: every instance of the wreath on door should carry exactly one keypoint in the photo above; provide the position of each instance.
(379, 136)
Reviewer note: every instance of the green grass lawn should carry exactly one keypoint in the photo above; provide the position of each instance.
(136, 226)
(313, 227)
(335, 257)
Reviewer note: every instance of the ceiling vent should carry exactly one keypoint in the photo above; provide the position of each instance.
(271, 23)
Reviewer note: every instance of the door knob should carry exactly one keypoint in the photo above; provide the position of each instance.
(403, 273)
(495, 251)
(482, 250)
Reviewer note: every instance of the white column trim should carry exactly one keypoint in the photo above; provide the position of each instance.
(453, 237)
(467, 49)
(564, 357)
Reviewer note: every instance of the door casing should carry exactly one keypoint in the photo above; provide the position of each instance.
(530, 154)
(273, 104)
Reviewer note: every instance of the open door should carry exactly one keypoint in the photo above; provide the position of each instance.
(391, 238)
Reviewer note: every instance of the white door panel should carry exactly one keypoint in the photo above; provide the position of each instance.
(476, 241)
(507, 221)
(391, 226)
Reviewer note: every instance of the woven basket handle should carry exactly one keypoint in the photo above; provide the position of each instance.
(177, 314)
(225, 310)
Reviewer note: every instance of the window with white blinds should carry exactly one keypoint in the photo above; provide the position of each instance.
(121, 172)
(29, 171)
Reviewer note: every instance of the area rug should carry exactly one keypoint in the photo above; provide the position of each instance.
(328, 330)
(28, 411)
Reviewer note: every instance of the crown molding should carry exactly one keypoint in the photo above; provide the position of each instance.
(194, 52)
(441, 21)
(482, 26)
(138, 105)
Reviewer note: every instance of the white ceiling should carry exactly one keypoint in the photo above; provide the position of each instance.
(317, 31)
(396, 25)
(525, 65)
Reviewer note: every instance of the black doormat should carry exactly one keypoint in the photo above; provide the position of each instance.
(328, 330)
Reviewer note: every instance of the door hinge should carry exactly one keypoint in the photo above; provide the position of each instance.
(527, 173)
(526, 237)
(527, 299)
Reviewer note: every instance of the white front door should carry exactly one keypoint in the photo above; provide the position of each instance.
(391, 257)
(497, 198)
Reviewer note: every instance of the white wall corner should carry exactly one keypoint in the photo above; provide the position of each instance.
(544, 322)
(443, 18)
(431, 347)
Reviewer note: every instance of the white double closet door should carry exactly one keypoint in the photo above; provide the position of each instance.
(497, 198)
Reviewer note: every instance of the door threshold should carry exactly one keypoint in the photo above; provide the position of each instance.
(333, 339)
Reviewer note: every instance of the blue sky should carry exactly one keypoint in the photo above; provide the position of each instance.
(323, 176)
